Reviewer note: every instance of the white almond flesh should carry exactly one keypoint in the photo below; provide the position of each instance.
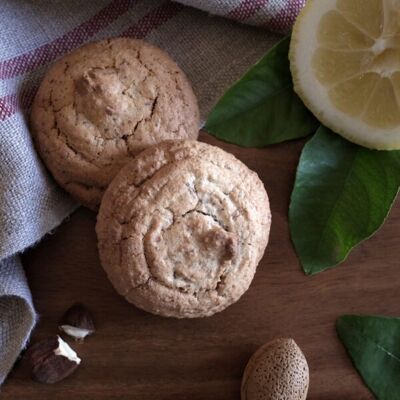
(65, 350)
(77, 333)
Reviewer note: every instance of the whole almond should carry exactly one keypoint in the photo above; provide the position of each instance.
(278, 370)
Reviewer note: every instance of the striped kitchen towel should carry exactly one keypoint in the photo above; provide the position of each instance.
(274, 15)
(213, 52)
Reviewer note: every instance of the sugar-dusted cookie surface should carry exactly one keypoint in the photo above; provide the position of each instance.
(182, 228)
(102, 104)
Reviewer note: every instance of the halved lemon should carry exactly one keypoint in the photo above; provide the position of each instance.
(345, 62)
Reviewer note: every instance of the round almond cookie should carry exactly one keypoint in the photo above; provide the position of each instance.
(182, 228)
(101, 105)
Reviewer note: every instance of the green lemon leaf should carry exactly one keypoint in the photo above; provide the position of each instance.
(341, 196)
(262, 108)
(373, 344)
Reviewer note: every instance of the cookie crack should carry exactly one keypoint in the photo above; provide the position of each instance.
(171, 74)
(66, 67)
(153, 107)
(144, 284)
(221, 279)
(143, 63)
(132, 133)
(218, 287)
(215, 218)
(61, 134)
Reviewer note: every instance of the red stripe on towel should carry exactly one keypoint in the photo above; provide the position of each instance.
(10, 104)
(48, 52)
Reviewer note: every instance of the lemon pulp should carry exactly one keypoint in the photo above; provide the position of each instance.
(350, 74)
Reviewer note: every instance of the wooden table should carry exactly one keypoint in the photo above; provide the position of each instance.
(135, 355)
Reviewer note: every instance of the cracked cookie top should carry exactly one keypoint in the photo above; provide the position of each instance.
(182, 228)
(102, 104)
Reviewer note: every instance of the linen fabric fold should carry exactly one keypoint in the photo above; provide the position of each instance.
(17, 315)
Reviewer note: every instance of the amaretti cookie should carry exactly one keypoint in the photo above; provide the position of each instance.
(182, 228)
(102, 104)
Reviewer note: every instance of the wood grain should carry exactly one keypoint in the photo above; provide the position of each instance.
(135, 355)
